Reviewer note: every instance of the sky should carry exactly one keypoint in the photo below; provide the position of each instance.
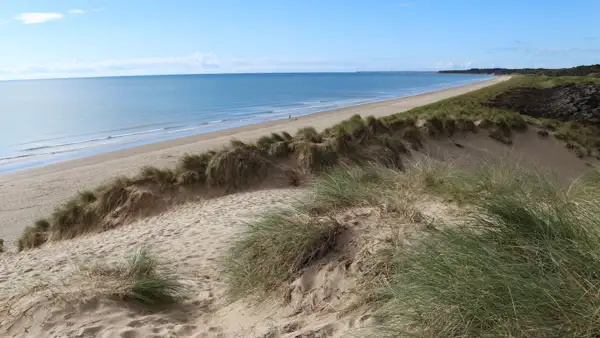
(82, 38)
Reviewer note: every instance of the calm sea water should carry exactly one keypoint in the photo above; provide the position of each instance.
(47, 121)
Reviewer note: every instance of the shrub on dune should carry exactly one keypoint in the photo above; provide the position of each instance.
(398, 123)
(342, 143)
(191, 169)
(190, 178)
(413, 136)
(376, 126)
(198, 163)
(264, 142)
(354, 126)
(71, 220)
(237, 167)
(279, 149)
(34, 236)
(309, 134)
(113, 195)
(314, 157)
(164, 178)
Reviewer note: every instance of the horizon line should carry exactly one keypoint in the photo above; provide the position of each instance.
(231, 73)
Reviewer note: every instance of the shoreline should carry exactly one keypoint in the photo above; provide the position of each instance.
(100, 142)
(32, 193)
(161, 145)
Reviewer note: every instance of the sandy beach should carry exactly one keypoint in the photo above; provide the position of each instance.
(30, 194)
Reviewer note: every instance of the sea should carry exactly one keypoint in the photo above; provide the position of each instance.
(49, 121)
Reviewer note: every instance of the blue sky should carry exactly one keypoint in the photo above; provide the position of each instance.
(72, 38)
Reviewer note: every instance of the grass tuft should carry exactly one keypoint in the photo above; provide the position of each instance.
(141, 280)
(147, 285)
(346, 187)
(274, 248)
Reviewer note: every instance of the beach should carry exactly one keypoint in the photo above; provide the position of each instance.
(29, 194)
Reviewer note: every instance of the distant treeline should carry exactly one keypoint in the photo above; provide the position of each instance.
(575, 71)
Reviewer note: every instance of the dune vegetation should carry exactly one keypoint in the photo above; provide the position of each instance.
(284, 159)
(517, 257)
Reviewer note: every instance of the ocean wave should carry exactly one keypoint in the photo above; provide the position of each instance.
(92, 140)
(135, 136)
(94, 133)
(8, 158)
(286, 105)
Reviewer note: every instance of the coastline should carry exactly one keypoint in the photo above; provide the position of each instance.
(26, 151)
(32, 193)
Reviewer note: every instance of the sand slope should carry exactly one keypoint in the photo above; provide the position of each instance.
(189, 238)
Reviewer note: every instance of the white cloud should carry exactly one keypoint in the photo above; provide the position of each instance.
(76, 11)
(31, 18)
(407, 4)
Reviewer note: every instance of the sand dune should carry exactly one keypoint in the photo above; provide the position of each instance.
(44, 295)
